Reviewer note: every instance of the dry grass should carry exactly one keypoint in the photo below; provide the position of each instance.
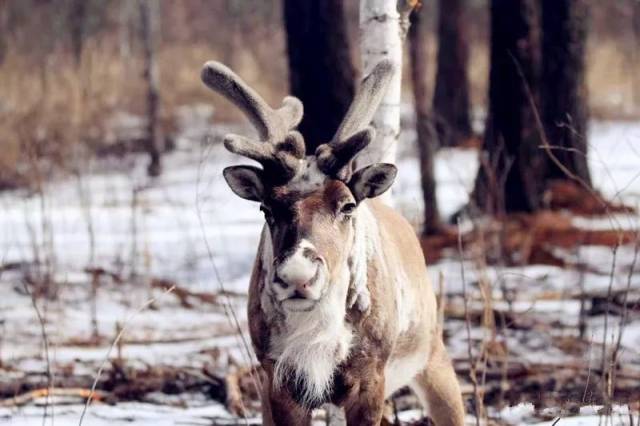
(53, 105)
(49, 105)
(612, 79)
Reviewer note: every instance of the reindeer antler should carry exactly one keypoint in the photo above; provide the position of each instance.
(355, 133)
(280, 148)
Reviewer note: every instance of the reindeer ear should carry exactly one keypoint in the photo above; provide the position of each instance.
(245, 182)
(373, 180)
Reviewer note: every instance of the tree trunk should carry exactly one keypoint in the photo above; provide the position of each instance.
(451, 97)
(426, 136)
(563, 88)
(635, 4)
(382, 29)
(77, 18)
(320, 70)
(380, 39)
(149, 20)
(125, 29)
(510, 177)
(4, 33)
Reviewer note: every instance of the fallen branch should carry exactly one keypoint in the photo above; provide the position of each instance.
(184, 295)
(27, 397)
(528, 238)
(234, 401)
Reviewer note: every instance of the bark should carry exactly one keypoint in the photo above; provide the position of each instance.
(124, 29)
(563, 88)
(451, 96)
(149, 20)
(426, 137)
(381, 39)
(4, 33)
(321, 74)
(635, 4)
(510, 177)
(383, 28)
(77, 18)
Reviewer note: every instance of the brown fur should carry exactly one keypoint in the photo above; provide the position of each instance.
(389, 321)
(359, 381)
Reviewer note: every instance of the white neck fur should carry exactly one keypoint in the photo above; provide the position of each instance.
(309, 345)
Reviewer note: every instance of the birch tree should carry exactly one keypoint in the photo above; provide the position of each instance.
(383, 27)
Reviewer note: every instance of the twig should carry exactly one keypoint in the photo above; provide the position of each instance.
(548, 149)
(472, 366)
(625, 313)
(606, 372)
(228, 307)
(586, 386)
(45, 341)
(113, 344)
(25, 398)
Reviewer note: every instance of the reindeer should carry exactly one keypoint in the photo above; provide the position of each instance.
(340, 306)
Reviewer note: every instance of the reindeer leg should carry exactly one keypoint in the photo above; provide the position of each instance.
(365, 406)
(438, 390)
(279, 409)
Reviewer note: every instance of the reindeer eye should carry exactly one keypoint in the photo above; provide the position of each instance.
(348, 209)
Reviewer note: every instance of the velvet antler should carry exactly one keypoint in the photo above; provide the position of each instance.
(355, 133)
(280, 147)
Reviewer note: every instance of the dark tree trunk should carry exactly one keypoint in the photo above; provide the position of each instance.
(77, 18)
(426, 134)
(4, 33)
(563, 89)
(510, 177)
(320, 70)
(451, 97)
(149, 21)
(635, 4)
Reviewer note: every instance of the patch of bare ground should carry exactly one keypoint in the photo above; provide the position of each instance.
(123, 382)
(527, 239)
(563, 195)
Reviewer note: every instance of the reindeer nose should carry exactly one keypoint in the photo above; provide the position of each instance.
(301, 282)
(298, 276)
(297, 270)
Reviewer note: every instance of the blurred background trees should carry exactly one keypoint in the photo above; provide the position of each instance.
(563, 89)
(321, 73)
(149, 22)
(426, 137)
(451, 103)
(536, 128)
(88, 73)
(509, 177)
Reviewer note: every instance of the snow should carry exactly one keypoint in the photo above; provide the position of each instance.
(126, 413)
(187, 227)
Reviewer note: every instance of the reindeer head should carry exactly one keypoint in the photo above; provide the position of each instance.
(310, 203)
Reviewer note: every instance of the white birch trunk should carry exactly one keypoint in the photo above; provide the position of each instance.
(381, 38)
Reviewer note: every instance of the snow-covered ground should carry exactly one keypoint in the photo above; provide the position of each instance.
(187, 228)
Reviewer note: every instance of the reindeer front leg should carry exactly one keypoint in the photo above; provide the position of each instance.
(365, 405)
(278, 408)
